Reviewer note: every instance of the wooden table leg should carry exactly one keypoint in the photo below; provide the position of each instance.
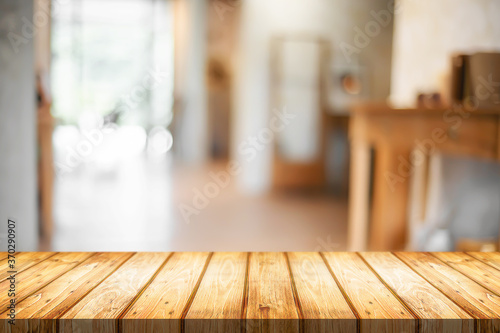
(392, 176)
(498, 158)
(46, 180)
(417, 198)
(498, 135)
(359, 196)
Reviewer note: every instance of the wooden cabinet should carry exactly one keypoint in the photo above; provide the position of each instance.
(398, 142)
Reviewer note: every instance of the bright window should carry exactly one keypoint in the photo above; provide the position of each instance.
(113, 57)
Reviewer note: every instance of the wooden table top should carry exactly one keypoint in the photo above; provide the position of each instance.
(252, 292)
(383, 108)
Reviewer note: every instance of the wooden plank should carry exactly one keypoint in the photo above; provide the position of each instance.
(417, 198)
(24, 260)
(271, 306)
(498, 155)
(476, 300)
(498, 158)
(490, 258)
(161, 305)
(61, 294)
(437, 312)
(218, 304)
(344, 292)
(478, 271)
(391, 184)
(100, 308)
(38, 276)
(359, 194)
(323, 307)
(378, 309)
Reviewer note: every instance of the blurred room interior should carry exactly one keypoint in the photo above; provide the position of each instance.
(250, 125)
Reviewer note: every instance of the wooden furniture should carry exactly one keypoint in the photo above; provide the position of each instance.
(253, 292)
(45, 127)
(401, 141)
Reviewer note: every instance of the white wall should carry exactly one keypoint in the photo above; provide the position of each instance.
(333, 20)
(190, 53)
(17, 127)
(42, 39)
(427, 32)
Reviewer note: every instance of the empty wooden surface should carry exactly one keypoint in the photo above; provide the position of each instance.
(319, 295)
(23, 261)
(476, 300)
(482, 273)
(53, 300)
(161, 305)
(112, 297)
(271, 304)
(377, 308)
(254, 292)
(39, 275)
(425, 301)
(220, 294)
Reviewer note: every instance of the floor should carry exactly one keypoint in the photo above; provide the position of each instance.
(134, 204)
(232, 291)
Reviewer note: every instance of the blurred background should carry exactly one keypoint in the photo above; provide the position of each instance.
(250, 125)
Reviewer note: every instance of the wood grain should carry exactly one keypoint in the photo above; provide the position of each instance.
(390, 198)
(323, 307)
(218, 304)
(255, 292)
(378, 309)
(437, 312)
(38, 276)
(271, 305)
(160, 306)
(100, 308)
(476, 300)
(54, 299)
(478, 271)
(24, 260)
(490, 258)
(359, 195)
